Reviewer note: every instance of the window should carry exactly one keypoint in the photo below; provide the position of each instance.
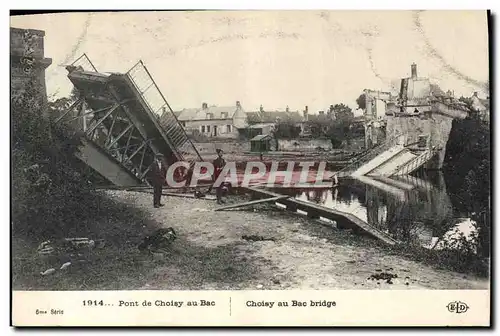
(183, 123)
(228, 128)
(208, 128)
(210, 115)
(223, 115)
(203, 129)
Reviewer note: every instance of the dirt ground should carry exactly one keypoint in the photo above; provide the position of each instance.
(211, 254)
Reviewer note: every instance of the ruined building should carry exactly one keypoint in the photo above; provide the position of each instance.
(424, 114)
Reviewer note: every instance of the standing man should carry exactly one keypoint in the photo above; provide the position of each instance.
(219, 163)
(158, 173)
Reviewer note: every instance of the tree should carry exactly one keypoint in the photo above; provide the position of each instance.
(340, 129)
(50, 194)
(361, 101)
(343, 112)
(252, 119)
(467, 101)
(287, 129)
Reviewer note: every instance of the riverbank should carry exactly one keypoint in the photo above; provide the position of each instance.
(211, 253)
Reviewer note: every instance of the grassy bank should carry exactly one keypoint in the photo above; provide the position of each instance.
(211, 253)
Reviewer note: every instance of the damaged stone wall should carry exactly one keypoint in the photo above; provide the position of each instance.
(436, 126)
(27, 62)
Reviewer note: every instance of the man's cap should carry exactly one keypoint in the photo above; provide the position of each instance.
(159, 155)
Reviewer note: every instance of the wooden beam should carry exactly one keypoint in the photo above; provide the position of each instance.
(240, 205)
(329, 213)
(206, 197)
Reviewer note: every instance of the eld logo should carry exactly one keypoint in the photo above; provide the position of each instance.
(457, 307)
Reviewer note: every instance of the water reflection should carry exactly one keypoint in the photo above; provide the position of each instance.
(416, 210)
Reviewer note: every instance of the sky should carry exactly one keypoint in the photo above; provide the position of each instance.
(271, 58)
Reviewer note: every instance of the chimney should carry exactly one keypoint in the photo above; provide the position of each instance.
(238, 104)
(475, 93)
(306, 114)
(414, 71)
(287, 109)
(261, 109)
(204, 106)
(321, 112)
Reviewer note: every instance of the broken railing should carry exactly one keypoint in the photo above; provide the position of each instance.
(417, 162)
(151, 94)
(370, 155)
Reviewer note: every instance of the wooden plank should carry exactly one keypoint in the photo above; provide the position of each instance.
(135, 188)
(206, 197)
(331, 214)
(239, 205)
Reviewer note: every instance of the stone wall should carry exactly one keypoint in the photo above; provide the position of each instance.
(304, 144)
(227, 146)
(434, 125)
(27, 61)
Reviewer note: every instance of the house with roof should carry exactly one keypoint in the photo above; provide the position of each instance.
(264, 122)
(213, 121)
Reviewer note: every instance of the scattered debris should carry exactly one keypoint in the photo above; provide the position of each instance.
(388, 277)
(159, 241)
(68, 251)
(39, 180)
(65, 265)
(257, 238)
(68, 246)
(47, 272)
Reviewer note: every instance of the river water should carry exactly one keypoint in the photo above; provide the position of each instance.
(412, 209)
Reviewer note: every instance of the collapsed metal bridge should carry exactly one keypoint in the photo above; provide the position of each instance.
(119, 115)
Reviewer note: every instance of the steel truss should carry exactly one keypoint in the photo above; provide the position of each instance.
(113, 131)
(114, 121)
